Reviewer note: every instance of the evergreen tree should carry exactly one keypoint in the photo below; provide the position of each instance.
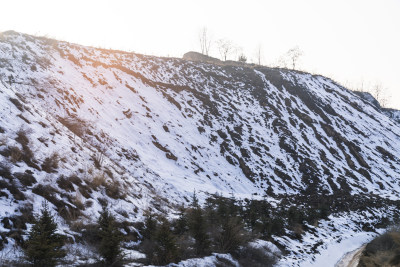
(150, 224)
(166, 250)
(197, 227)
(181, 224)
(231, 236)
(44, 245)
(110, 244)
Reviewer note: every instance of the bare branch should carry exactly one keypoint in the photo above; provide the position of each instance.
(293, 55)
(205, 41)
(379, 92)
(225, 48)
(259, 54)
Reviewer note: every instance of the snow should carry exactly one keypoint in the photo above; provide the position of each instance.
(332, 239)
(335, 251)
(126, 123)
(209, 261)
(351, 259)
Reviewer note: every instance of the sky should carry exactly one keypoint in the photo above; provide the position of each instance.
(355, 42)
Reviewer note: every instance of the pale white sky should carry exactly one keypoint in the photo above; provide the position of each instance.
(348, 40)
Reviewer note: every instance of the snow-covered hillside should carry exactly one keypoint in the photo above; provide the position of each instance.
(138, 131)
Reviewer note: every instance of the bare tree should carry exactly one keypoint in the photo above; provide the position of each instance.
(259, 54)
(205, 41)
(293, 55)
(361, 86)
(282, 62)
(225, 48)
(379, 93)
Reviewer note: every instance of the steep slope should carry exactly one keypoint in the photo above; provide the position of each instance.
(160, 128)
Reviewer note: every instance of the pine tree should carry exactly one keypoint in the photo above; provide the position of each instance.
(150, 224)
(181, 224)
(166, 250)
(44, 245)
(197, 227)
(231, 236)
(110, 244)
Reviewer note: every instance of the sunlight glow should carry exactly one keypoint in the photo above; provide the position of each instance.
(353, 42)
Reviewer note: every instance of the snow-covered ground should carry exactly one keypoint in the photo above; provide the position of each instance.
(332, 239)
(165, 127)
(351, 259)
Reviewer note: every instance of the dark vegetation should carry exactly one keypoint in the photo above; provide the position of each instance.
(74, 124)
(217, 227)
(382, 251)
(44, 245)
(110, 239)
(227, 225)
(223, 225)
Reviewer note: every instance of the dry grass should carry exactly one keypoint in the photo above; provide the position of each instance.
(22, 137)
(114, 190)
(3, 140)
(65, 184)
(50, 164)
(382, 251)
(15, 154)
(98, 158)
(96, 180)
(77, 201)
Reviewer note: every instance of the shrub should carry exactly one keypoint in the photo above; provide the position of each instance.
(65, 183)
(17, 103)
(97, 180)
(382, 251)
(113, 190)
(46, 191)
(88, 203)
(77, 201)
(98, 159)
(15, 154)
(28, 157)
(74, 124)
(242, 58)
(255, 257)
(26, 179)
(5, 171)
(22, 137)
(25, 154)
(50, 164)
(12, 187)
(75, 179)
